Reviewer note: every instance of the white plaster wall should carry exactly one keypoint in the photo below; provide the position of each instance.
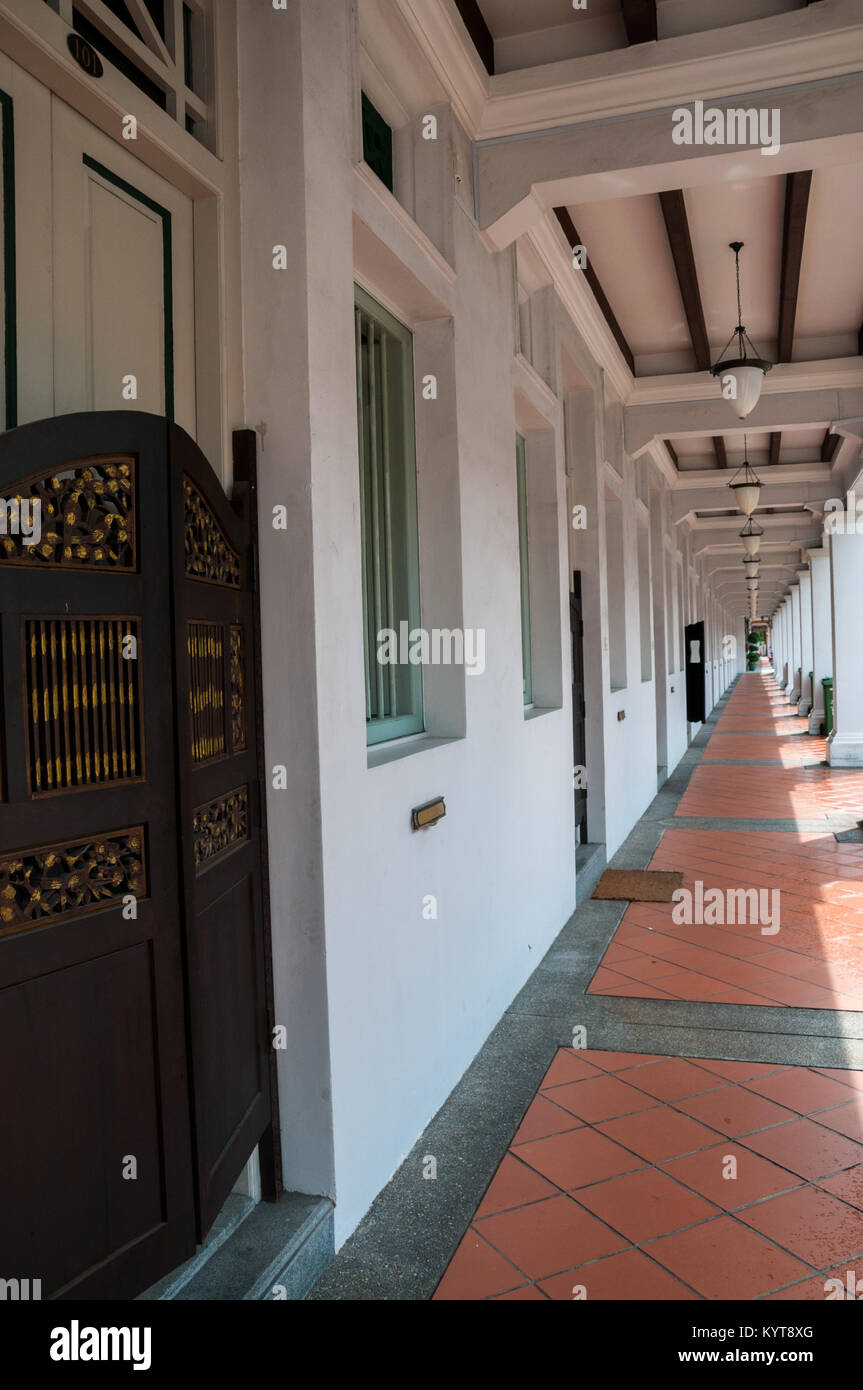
(408, 1001)
(411, 1000)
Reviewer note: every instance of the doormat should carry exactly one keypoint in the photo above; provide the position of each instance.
(639, 885)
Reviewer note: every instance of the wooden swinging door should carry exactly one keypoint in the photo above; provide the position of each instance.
(220, 815)
(96, 1198)
(133, 1013)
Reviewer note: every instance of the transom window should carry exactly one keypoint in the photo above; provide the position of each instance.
(164, 46)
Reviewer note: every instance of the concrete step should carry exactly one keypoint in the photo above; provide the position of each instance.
(589, 864)
(257, 1252)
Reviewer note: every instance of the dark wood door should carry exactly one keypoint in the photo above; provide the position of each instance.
(579, 742)
(696, 670)
(133, 1025)
(96, 1197)
(220, 816)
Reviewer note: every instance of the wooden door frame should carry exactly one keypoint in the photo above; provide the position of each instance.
(244, 500)
(576, 597)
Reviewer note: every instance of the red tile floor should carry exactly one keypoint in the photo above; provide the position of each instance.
(638, 1177)
(619, 1180)
(815, 959)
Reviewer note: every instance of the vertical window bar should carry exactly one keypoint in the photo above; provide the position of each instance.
(376, 513)
(364, 537)
(524, 568)
(388, 510)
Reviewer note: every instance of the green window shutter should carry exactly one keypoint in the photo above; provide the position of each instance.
(377, 143)
(524, 569)
(388, 516)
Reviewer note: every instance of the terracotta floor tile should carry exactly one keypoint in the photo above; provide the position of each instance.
(805, 1291)
(806, 1148)
(848, 1078)
(477, 1271)
(813, 1225)
(755, 1177)
(723, 1259)
(624, 1277)
(618, 1061)
(638, 989)
(647, 968)
(801, 1090)
(734, 1111)
(847, 1185)
(845, 1119)
(572, 1160)
(645, 1204)
(658, 1134)
(688, 984)
(848, 1277)
(527, 1293)
(674, 1077)
(568, 1065)
(513, 1185)
(601, 1098)
(543, 1118)
(548, 1237)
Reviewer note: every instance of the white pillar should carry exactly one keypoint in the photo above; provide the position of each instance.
(805, 702)
(792, 687)
(822, 637)
(845, 744)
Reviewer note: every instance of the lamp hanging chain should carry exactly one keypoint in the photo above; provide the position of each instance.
(739, 309)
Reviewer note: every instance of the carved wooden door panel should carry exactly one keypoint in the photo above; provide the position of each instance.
(96, 1197)
(220, 815)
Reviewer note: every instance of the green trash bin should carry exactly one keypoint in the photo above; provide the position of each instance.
(827, 682)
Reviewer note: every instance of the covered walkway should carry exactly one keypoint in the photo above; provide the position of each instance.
(697, 1143)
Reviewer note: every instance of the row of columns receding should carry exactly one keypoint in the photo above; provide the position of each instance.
(817, 633)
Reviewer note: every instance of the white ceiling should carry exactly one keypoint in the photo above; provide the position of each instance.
(528, 33)
(627, 246)
(696, 450)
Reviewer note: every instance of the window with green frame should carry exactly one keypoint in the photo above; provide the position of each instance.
(377, 143)
(388, 518)
(524, 569)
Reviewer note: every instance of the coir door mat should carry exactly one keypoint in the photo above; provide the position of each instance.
(639, 885)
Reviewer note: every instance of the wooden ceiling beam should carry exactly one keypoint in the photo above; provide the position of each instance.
(679, 239)
(474, 22)
(829, 444)
(797, 187)
(569, 231)
(639, 18)
(775, 441)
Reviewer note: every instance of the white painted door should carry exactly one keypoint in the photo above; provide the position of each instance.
(105, 268)
(123, 311)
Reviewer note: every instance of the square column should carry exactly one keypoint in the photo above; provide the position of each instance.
(785, 672)
(822, 636)
(792, 686)
(805, 702)
(845, 744)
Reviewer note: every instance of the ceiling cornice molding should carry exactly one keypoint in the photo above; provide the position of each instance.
(440, 32)
(830, 374)
(802, 46)
(700, 479)
(549, 243)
